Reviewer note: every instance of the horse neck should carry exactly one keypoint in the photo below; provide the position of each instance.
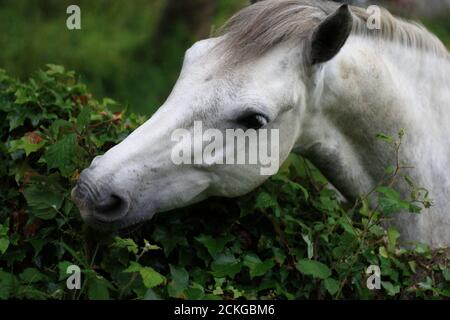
(371, 88)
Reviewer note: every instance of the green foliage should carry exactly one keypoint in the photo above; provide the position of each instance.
(440, 26)
(293, 238)
(115, 51)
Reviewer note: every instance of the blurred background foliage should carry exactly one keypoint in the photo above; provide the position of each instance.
(129, 50)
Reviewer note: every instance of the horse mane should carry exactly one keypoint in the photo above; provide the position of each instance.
(260, 27)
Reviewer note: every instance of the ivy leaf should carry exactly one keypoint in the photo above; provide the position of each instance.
(64, 155)
(225, 265)
(389, 192)
(62, 267)
(169, 240)
(30, 143)
(179, 283)
(391, 289)
(84, 118)
(44, 200)
(331, 285)
(98, 288)
(265, 201)
(32, 275)
(133, 267)
(214, 245)
(24, 95)
(129, 244)
(446, 273)
(54, 69)
(150, 294)
(4, 239)
(4, 244)
(7, 284)
(256, 266)
(59, 125)
(313, 268)
(150, 277)
(195, 292)
(393, 236)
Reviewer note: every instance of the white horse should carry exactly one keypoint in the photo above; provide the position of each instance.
(315, 71)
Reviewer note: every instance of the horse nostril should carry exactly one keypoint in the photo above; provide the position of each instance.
(111, 209)
(111, 204)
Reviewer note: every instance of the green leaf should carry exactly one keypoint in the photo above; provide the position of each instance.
(32, 275)
(150, 277)
(313, 268)
(63, 266)
(279, 256)
(98, 288)
(225, 265)
(64, 155)
(133, 267)
(44, 200)
(389, 205)
(265, 201)
(346, 224)
(7, 284)
(59, 125)
(389, 192)
(446, 273)
(84, 118)
(391, 289)
(256, 266)
(383, 252)
(55, 69)
(4, 238)
(128, 243)
(385, 138)
(391, 202)
(393, 236)
(332, 286)
(150, 294)
(195, 292)
(23, 95)
(169, 240)
(25, 144)
(4, 244)
(214, 245)
(179, 282)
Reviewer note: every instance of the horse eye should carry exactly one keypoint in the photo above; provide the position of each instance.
(254, 121)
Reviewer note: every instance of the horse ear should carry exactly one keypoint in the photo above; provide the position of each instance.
(330, 36)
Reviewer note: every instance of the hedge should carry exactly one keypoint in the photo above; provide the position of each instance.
(292, 238)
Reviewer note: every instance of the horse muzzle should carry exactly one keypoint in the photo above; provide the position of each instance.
(99, 204)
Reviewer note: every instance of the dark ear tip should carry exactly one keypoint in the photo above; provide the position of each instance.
(344, 9)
